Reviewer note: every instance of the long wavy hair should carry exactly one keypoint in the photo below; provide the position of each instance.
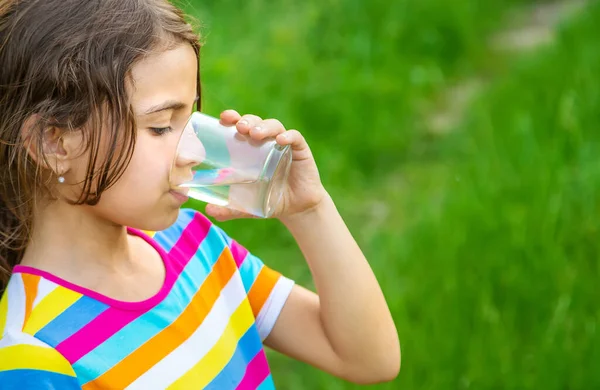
(66, 63)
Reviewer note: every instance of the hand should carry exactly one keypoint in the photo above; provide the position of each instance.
(304, 190)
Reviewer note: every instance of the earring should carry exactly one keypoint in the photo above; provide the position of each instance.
(61, 179)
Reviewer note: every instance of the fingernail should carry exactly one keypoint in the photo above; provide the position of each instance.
(258, 130)
(243, 122)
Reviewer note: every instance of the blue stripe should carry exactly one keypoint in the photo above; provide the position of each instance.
(211, 249)
(76, 316)
(267, 384)
(249, 270)
(36, 380)
(233, 373)
(168, 237)
(227, 239)
(148, 325)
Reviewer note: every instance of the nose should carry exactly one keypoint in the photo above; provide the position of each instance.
(190, 151)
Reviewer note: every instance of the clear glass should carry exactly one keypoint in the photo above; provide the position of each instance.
(216, 164)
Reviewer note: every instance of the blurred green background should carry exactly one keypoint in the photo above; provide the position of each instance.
(484, 236)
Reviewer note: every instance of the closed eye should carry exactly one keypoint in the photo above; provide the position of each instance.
(160, 130)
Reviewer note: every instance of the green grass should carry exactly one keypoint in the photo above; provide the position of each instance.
(485, 240)
(334, 68)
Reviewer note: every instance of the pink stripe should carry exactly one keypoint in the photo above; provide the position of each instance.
(188, 243)
(239, 253)
(256, 372)
(95, 333)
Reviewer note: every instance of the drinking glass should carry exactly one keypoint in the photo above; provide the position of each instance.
(216, 164)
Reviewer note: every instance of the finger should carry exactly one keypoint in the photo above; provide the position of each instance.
(230, 117)
(247, 122)
(267, 128)
(222, 214)
(293, 138)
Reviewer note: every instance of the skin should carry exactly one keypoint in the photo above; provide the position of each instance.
(345, 328)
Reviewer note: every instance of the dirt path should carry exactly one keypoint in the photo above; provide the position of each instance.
(527, 29)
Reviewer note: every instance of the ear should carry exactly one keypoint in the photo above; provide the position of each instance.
(50, 147)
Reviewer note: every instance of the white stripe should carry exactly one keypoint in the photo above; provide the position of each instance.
(45, 287)
(16, 304)
(19, 338)
(266, 318)
(185, 357)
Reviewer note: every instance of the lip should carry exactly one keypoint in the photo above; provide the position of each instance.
(180, 194)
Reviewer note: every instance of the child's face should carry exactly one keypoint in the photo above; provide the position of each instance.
(163, 94)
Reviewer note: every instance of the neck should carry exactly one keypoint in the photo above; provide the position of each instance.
(64, 235)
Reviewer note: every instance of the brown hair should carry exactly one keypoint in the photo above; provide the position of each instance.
(66, 63)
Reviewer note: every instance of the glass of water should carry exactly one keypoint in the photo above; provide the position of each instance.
(216, 164)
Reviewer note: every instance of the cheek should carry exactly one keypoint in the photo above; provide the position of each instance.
(149, 167)
(140, 197)
(141, 189)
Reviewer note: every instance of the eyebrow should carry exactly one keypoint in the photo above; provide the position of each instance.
(167, 105)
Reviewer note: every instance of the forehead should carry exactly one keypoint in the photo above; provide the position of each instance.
(164, 75)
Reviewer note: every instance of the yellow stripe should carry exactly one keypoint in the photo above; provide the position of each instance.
(149, 233)
(3, 312)
(24, 356)
(215, 360)
(49, 308)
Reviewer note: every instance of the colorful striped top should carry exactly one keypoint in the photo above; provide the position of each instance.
(204, 329)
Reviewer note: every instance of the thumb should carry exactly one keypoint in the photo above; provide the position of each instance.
(222, 214)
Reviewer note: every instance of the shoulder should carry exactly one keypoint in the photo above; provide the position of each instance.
(28, 363)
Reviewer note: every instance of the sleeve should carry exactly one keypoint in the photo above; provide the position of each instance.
(267, 290)
(27, 363)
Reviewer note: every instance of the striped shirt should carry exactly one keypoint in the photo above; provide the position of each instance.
(204, 329)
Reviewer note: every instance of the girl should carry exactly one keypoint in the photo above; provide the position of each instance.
(91, 96)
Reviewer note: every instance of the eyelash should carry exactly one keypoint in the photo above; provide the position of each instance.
(161, 130)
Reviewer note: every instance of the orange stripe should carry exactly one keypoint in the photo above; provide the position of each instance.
(261, 288)
(165, 342)
(31, 290)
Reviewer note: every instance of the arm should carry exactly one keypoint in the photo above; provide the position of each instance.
(346, 329)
